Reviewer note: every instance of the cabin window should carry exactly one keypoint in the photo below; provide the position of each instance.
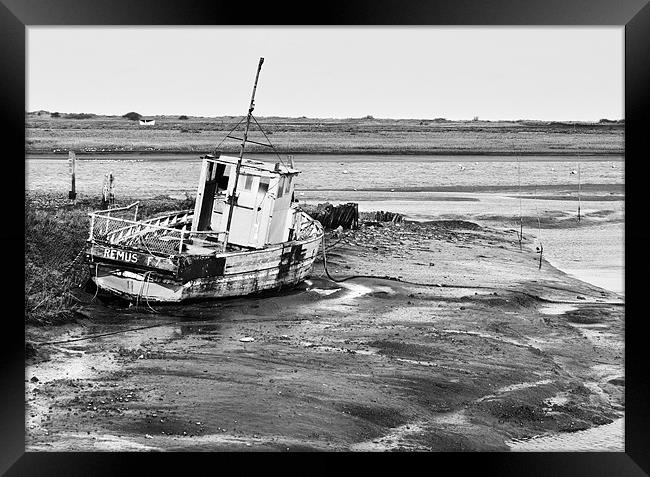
(248, 183)
(287, 184)
(281, 187)
(263, 187)
(223, 179)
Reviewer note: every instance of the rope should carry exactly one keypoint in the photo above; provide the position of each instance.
(96, 286)
(67, 269)
(146, 275)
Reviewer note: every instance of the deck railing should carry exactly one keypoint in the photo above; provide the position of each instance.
(166, 234)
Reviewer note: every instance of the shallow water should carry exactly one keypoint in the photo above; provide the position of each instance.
(609, 437)
(146, 176)
(592, 253)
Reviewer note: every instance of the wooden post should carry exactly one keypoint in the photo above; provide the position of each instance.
(72, 194)
(578, 192)
(111, 195)
(105, 193)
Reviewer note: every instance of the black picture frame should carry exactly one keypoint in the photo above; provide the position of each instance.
(16, 15)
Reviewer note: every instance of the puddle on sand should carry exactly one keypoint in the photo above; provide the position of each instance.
(556, 308)
(324, 292)
(355, 290)
(515, 387)
(609, 437)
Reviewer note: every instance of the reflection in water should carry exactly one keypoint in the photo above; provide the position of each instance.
(609, 437)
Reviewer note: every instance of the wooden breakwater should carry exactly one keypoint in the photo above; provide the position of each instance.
(347, 215)
(381, 216)
(334, 216)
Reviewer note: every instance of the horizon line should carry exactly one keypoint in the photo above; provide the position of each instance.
(368, 117)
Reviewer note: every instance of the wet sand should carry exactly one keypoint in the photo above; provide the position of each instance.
(474, 349)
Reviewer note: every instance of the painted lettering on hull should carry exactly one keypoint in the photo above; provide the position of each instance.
(121, 255)
(135, 259)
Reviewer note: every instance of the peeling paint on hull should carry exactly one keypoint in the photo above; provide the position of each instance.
(242, 273)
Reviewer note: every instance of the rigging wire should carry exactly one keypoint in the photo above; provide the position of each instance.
(269, 141)
(226, 136)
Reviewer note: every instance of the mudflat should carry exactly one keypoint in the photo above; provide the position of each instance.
(458, 342)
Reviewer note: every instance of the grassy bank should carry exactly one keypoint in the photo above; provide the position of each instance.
(55, 234)
(97, 134)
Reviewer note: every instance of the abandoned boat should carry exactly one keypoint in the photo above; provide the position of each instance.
(246, 234)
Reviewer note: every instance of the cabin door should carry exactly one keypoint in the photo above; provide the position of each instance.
(213, 173)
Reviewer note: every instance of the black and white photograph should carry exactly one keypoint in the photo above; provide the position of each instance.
(325, 238)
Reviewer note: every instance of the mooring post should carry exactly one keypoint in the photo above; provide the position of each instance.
(111, 195)
(578, 192)
(72, 193)
(105, 193)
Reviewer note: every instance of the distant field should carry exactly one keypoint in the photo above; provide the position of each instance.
(46, 134)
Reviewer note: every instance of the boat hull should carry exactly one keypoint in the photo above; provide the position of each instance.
(218, 276)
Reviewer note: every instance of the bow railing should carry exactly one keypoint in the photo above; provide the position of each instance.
(167, 234)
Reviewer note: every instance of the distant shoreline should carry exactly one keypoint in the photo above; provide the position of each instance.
(376, 155)
(364, 136)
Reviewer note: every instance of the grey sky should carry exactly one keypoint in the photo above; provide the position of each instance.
(549, 73)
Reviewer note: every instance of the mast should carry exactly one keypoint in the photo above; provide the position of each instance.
(232, 200)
